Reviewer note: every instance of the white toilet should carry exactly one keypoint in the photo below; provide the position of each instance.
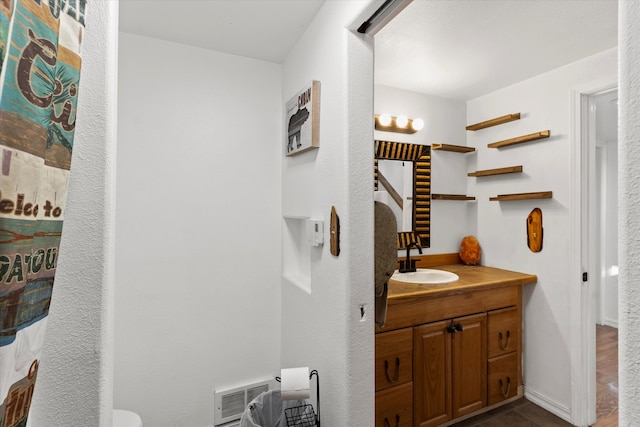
(122, 418)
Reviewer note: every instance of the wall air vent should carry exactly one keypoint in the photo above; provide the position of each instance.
(231, 402)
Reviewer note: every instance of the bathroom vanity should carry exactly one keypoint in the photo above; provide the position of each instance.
(450, 351)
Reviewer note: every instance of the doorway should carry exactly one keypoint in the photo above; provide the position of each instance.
(594, 237)
(604, 110)
(580, 321)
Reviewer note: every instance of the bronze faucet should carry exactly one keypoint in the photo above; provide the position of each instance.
(409, 265)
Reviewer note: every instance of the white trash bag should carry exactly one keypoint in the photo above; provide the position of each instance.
(268, 410)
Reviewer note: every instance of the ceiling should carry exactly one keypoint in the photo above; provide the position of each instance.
(457, 49)
(260, 29)
(466, 48)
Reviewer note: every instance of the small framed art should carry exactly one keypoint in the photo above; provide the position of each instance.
(303, 120)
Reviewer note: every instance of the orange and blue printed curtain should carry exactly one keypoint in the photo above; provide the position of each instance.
(40, 61)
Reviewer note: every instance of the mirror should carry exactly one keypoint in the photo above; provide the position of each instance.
(395, 189)
(418, 208)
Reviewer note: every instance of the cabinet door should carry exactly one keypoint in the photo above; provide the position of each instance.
(504, 331)
(394, 358)
(431, 374)
(469, 368)
(394, 406)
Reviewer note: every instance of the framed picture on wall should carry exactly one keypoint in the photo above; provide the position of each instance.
(303, 120)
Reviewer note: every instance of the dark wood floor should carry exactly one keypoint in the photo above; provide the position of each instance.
(523, 413)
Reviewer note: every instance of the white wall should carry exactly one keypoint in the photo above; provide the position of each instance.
(321, 324)
(629, 203)
(75, 380)
(545, 103)
(198, 228)
(445, 122)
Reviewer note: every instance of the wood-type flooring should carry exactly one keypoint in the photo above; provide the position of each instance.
(523, 413)
(606, 376)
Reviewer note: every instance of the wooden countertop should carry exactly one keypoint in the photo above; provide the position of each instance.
(478, 289)
(472, 278)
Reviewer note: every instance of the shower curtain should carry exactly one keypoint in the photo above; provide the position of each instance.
(40, 62)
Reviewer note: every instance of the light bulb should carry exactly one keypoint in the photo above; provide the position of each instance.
(402, 121)
(417, 124)
(384, 119)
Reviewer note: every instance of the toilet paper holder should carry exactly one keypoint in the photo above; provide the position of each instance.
(304, 415)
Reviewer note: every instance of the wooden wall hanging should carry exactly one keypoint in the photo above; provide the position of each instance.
(535, 231)
(335, 232)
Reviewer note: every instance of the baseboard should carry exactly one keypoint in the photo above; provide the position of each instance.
(611, 322)
(550, 405)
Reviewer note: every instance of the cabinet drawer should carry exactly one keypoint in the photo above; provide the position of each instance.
(394, 406)
(394, 358)
(504, 331)
(502, 378)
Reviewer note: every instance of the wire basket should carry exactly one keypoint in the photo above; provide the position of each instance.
(301, 416)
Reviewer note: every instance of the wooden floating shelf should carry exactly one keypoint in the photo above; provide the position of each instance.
(520, 139)
(451, 197)
(522, 196)
(494, 122)
(499, 171)
(453, 148)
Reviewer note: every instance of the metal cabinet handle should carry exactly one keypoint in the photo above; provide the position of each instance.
(388, 424)
(504, 345)
(505, 393)
(397, 373)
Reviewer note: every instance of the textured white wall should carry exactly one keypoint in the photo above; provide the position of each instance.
(445, 122)
(629, 221)
(545, 103)
(75, 381)
(197, 303)
(321, 326)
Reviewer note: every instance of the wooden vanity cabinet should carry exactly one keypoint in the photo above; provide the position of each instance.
(449, 369)
(462, 347)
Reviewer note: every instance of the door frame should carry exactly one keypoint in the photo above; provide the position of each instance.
(583, 260)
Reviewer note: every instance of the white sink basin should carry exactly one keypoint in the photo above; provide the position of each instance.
(426, 276)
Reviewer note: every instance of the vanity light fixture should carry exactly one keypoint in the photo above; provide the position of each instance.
(384, 119)
(417, 124)
(402, 121)
(401, 124)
